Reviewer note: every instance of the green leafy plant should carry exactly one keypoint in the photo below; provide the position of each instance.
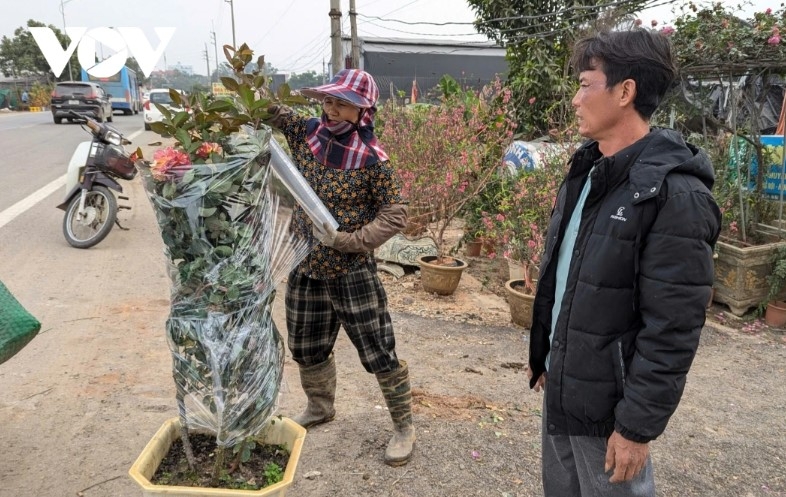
(777, 278)
(273, 473)
(211, 193)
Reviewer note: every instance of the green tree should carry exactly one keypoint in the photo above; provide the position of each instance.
(304, 80)
(538, 36)
(20, 55)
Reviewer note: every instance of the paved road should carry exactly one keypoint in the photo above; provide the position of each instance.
(96, 307)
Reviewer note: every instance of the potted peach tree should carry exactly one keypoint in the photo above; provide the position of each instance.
(445, 155)
(520, 222)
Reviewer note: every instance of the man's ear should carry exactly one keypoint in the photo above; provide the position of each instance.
(628, 92)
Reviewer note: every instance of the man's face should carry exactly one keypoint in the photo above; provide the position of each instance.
(597, 107)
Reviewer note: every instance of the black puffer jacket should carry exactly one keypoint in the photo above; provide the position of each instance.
(637, 288)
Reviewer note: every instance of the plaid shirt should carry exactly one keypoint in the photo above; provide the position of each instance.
(352, 196)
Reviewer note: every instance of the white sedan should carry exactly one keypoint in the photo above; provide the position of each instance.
(158, 96)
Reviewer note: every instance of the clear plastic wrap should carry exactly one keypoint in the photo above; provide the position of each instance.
(289, 175)
(227, 246)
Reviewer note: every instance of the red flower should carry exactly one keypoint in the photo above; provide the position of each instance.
(207, 148)
(169, 162)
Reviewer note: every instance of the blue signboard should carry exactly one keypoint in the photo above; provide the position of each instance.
(774, 178)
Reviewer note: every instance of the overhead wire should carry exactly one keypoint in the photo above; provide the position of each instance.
(274, 24)
(423, 34)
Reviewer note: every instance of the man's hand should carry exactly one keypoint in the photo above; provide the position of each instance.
(626, 457)
(540, 384)
(327, 235)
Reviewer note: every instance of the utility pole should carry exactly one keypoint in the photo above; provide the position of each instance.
(337, 58)
(232, 10)
(353, 23)
(207, 61)
(215, 46)
(62, 11)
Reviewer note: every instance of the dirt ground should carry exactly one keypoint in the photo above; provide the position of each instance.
(80, 401)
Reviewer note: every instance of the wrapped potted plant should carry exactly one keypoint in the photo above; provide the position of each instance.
(445, 155)
(227, 246)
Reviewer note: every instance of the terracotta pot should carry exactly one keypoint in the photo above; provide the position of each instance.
(281, 431)
(473, 248)
(437, 278)
(520, 303)
(775, 315)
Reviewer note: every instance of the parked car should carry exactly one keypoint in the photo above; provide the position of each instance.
(161, 97)
(83, 97)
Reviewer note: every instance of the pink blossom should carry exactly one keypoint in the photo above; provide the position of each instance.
(667, 31)
(768, 11)
(532, 100)
(208, 148)
(169, 162)
(774, 40)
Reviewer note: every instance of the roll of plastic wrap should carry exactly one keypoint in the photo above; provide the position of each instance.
(287, 172)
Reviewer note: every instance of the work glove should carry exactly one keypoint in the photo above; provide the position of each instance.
(277, 114)
(327, 235)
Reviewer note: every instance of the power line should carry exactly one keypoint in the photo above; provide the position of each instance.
(419, 22)
(422, 34)
(273, 25)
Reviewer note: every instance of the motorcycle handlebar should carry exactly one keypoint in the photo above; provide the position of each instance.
(89, 122)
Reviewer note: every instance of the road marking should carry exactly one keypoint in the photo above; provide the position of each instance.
(20, 207)
(28, 202)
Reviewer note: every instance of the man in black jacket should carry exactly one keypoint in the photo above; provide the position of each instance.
(625, 277)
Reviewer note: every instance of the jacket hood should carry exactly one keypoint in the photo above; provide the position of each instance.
(662, 152)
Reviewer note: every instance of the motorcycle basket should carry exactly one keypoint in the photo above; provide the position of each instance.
(113, 160)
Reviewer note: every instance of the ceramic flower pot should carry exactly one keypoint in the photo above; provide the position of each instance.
(520, 302)
(282, 431)
(775, 314)
(473, 248)
(438, 278)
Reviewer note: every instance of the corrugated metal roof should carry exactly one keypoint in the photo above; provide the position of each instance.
(430, 46)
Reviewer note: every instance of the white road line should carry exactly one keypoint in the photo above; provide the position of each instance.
(20, 207)
(28, 202)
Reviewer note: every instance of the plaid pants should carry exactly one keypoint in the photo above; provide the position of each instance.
(316, 309)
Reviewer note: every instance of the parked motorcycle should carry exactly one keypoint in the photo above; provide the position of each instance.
(90, 207)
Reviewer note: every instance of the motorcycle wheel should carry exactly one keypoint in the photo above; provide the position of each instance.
(100, 214)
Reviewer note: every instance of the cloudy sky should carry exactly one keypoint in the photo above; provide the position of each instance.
(294, 35)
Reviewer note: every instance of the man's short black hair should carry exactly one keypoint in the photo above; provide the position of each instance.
(641, 55)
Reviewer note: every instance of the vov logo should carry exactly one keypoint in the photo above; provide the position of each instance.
(124, 41)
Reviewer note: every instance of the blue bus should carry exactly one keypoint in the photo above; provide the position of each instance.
(124, 88)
